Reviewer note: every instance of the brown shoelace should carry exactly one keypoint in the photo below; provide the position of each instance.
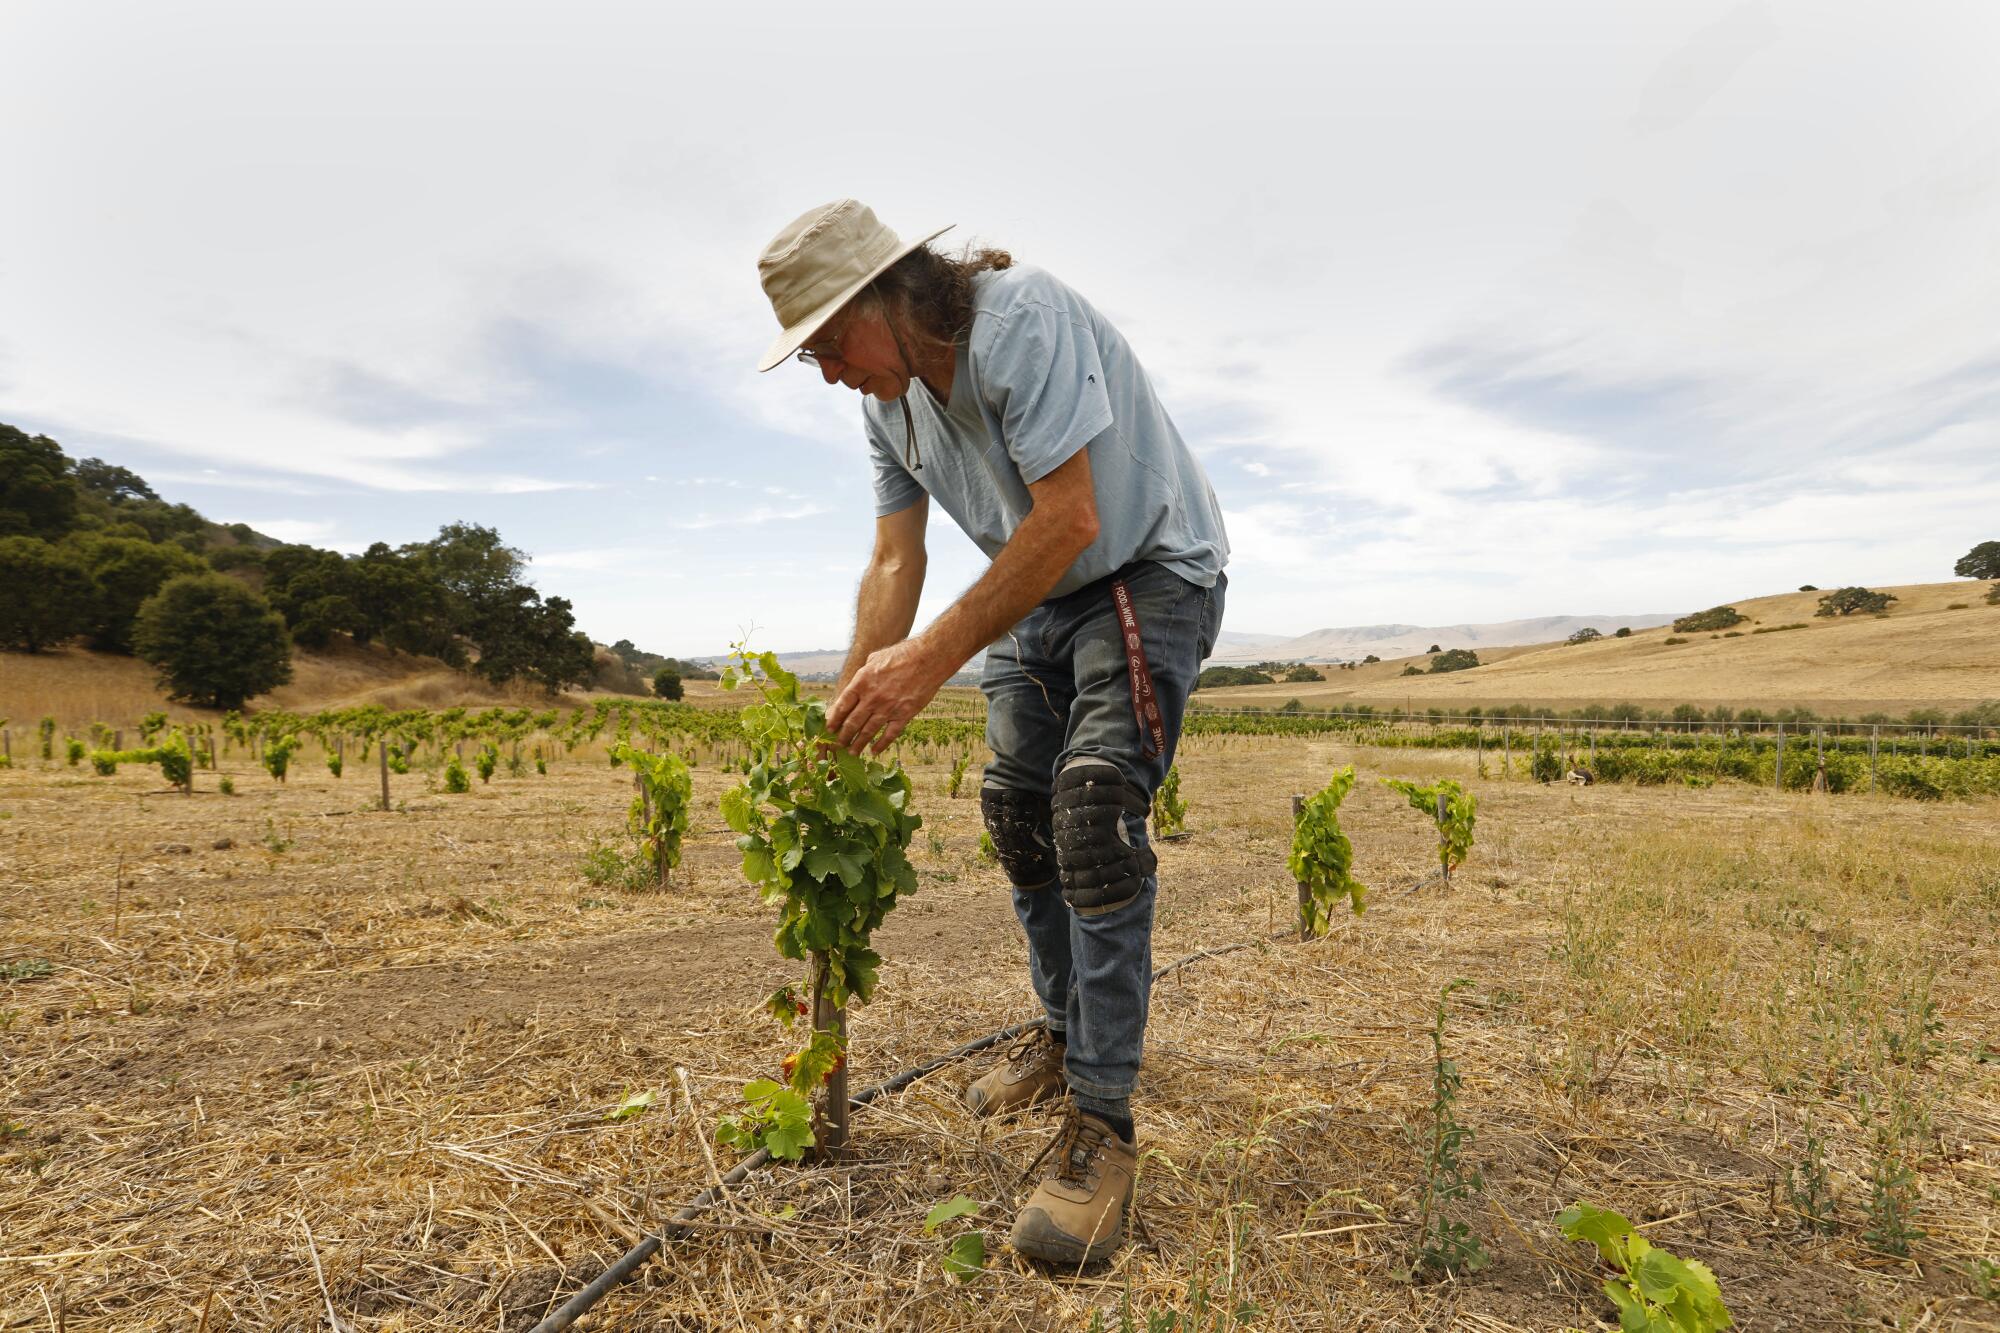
(1028, 1048)
(1078, 1143)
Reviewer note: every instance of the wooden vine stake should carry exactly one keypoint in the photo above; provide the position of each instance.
(1305, 890)
(830, 1113)
(1443, 843)
(382, 754)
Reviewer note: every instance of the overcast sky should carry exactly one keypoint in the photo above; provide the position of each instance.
(1472, 311)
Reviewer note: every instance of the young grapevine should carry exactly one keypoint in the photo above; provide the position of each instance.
(1451, 808)
(1322, 858)
(1169, 810)
(1654, 1290)
(824, 835)
(659, 814)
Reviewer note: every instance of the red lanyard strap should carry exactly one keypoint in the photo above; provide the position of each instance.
(1145, 707)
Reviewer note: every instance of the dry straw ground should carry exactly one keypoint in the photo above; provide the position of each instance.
(299, 1028)
(1925, 654)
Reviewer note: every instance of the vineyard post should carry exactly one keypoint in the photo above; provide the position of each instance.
(1444, 842)
(7, 745)
(1593, 744)
(1506, 752)
(211, 753)
(1305, 890)
(1778, 767)
(1874, 739)
(118, 740)
(831, 1133)
(382, 756)
(1819, 741)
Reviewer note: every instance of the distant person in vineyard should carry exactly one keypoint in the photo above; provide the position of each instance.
(996, 390)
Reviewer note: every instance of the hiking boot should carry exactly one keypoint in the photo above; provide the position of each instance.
(1077, 1214)
(1032, 1071)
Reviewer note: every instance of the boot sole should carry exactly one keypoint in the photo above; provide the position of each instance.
(1060, 1249)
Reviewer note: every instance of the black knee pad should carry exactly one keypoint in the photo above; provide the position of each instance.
(1100, 870)
(1019, 824)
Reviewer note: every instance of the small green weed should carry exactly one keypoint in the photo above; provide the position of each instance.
(1444, 1245)
(1809, 1186)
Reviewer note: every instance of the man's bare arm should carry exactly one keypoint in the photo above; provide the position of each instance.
(886, 606)
(1056, 531)
(892, 685)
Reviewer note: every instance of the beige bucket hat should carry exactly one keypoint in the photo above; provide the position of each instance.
(821, 262)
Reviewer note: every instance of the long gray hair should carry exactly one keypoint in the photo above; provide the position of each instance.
(928, 294)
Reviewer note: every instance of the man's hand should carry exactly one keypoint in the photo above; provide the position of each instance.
(891, 687)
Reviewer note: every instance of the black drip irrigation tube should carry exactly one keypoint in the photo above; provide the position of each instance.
(675, 1227)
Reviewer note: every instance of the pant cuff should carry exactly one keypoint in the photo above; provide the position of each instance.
(1102, 1092)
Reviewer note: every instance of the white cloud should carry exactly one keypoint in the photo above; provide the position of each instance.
(304, 531)
(240, 259)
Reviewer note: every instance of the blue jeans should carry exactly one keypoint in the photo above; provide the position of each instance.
(1058, 689)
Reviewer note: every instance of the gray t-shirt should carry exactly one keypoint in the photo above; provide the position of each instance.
(1041, 375)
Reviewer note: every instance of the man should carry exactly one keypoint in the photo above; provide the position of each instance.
(995, 390)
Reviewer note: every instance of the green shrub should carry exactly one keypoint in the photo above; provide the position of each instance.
(1670, 639)
(213, 641)
(1715, 618)
(1585, 635)
(73, 750)
(1230, 675)
(1458, 659)
(485, 761)
(1780, 629)
(1848, 601)
(1622, 632)
(667, 683)
(456, 779)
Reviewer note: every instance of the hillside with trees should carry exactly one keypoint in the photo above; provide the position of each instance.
(92, 555)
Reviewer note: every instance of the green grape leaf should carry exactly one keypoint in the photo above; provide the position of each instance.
(1600, 1226)
(965, 1259)
(635, 1103)
(957, 1206)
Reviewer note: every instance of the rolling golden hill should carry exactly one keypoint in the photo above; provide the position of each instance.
(77, 686)
(1939, 647)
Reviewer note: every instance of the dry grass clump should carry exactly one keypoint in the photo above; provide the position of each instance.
(391, 1041)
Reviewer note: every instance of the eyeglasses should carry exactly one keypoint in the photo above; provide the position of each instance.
(829, 353)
